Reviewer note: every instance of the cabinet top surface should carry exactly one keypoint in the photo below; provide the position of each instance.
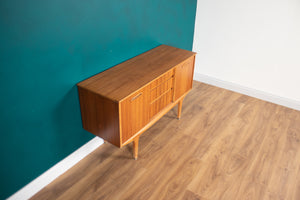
(123, 79)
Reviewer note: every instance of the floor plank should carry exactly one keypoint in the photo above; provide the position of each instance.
(225, 146)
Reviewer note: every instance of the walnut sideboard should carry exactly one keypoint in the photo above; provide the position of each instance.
(122, 102)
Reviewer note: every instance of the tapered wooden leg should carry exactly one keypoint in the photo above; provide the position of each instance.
(179, 108)
(136, 147)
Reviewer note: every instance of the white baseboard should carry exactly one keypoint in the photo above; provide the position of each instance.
(248, 91)
(61, 167)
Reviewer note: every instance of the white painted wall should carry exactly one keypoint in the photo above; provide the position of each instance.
(252, 44)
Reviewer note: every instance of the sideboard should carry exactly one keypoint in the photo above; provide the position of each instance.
(119, 104)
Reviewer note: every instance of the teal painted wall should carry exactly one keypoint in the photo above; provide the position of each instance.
(46, 47)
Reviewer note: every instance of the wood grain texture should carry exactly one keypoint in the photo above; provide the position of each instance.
(121, 103)
(154, 119)
(100, 116)
(184, 77)
(226, 146)
(188, 195)
(160, 103)
(134, 113)
(122, 80)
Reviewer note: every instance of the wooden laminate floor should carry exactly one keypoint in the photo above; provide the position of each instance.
(225, 146)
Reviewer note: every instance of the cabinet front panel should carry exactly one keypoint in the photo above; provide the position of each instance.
(134, 113)
(160, 103)
(166, 76)
(159, 90)
(184, 77)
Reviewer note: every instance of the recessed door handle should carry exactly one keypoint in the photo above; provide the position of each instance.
(137, 96)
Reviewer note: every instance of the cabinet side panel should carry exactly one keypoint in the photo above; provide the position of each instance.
(100, 116)
(184, 77)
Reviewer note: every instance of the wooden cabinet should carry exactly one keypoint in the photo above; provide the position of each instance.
(122, 102)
